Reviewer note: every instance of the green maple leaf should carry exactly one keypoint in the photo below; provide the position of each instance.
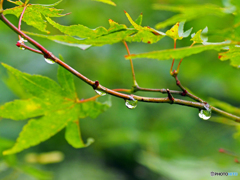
(198, 37)
(187, 13)
(35, 13)
(233, 54)
(176, 32)
(80, 36)
(50, 107)
(178, 53)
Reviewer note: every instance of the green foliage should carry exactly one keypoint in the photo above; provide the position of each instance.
(178, 53)
(198, 37)
(188, 13)
(107, 2)
(51, 108)
(101, 36)
(176, 32)
(233, 54)
(35, 13)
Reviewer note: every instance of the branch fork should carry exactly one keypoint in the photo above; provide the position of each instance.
(199, 104)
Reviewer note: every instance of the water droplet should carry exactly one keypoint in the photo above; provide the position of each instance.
(131, 104)
(49, 61)
(22, 40)
(205, 114)
(99, 92)
(22, 48)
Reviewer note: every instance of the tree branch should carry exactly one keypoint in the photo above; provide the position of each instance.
(169, 99)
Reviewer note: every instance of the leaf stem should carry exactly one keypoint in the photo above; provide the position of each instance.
(178, 68)
(1, 6)
(171, 69)
(132, 68)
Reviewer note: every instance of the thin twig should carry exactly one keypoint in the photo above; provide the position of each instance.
(20, 19)
(158, 90)
(49, 55)
(171, 69)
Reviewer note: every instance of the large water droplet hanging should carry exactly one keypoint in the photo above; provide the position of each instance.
(49, 61)
(131, 104)
(205, 114)
(99, 92)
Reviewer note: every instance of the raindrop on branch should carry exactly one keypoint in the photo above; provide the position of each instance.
(131, 104)
(205, 114)
(49, 61)
(99, 92)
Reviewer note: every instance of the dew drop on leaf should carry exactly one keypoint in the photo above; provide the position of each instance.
(205, 114)
(99, 92)
(49, 61)
(131, 104)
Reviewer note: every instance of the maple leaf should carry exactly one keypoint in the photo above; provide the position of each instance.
(50, 107)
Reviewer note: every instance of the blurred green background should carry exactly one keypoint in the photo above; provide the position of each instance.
(150, 142)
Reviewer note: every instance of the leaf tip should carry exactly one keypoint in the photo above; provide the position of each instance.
(125, 11)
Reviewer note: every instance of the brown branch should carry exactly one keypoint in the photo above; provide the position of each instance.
(49, 55)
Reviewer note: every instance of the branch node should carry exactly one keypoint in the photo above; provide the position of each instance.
(178, 82)
(135, 88)
(184, 93)
(170, 97)
(96, 84)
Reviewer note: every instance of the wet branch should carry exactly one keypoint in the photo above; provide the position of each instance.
(97, 86)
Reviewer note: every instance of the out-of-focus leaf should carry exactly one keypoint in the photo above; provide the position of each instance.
(224, 121)
(225, 106)
(34, 14)
(188, 13)
(45, 158)
(5, 144)
(183, 168)
(51, 5)
(178, 53)
(233, 54)
(52, 106)
(36, 173)
(106, 1)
